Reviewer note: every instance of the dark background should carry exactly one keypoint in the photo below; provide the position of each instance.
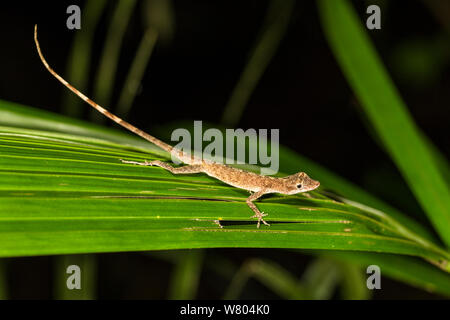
(302, 92)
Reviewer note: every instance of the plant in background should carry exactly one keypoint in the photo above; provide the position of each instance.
(64, 190)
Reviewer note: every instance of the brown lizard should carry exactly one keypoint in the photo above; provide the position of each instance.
(258, 184)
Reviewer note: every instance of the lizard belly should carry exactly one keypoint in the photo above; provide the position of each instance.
(235, 177)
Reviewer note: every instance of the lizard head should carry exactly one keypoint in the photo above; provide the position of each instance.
(300, 182)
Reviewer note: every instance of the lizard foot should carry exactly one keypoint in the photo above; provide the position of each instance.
(259, 215)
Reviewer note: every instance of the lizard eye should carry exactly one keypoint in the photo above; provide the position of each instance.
(299, 186)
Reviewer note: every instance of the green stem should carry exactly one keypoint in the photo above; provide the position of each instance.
(110, 55)
(277, 19)
(3, 280)
(186, 275)
(136, 72)
(80, 57)
(88, 273)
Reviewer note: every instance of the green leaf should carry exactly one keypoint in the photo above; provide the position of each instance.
(320, 278)
(353, 282)
(3, 280)
(109, 59)
(79, 61)
(184, 281)
(88, 280)
(278, 15)
(291, 162)
(411, 270)
(66, 193)
(272, 275)
(386, 111)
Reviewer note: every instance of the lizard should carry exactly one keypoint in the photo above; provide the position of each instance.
(257, 185)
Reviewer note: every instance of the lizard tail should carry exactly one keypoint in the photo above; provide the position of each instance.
(99, 108)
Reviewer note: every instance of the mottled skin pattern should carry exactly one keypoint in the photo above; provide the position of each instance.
(258, 184)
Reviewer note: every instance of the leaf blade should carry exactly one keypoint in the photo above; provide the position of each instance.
(386, 111)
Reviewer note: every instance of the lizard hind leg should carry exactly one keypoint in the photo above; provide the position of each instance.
(258, 214)
(189, 169)
(145, 163)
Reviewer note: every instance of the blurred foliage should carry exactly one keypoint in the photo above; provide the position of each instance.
(79, 61)
(104, 82)
(387, 112)
(276, 22)
(417, 62)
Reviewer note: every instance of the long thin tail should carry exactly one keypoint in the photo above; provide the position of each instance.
(99, 108)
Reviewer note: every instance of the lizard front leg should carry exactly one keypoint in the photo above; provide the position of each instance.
(189, 169)
(258, 214)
